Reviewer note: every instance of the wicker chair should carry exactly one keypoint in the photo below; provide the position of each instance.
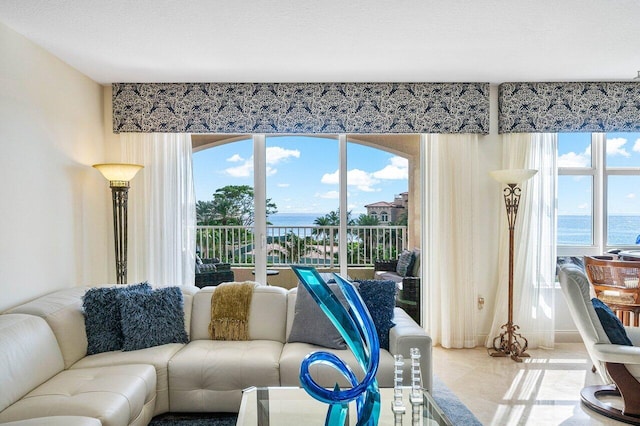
(408, 297)
(615, 282)
(211, 273)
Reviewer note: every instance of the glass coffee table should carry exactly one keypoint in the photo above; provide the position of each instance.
(291, 406)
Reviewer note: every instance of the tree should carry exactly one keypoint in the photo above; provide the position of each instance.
(204, 213)
(232, 205)
(330, 219)
(365, 235)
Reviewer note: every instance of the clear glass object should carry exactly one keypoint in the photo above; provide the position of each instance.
(356, 327)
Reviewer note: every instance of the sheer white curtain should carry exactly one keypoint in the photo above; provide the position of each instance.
(162, 216)
(534, 241)
(451, 188)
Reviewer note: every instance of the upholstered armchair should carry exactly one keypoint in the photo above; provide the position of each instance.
(618, 364)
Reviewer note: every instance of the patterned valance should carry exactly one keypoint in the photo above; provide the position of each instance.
(569, 107)
(309, 108)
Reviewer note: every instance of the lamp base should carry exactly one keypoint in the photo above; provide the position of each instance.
(509, 343)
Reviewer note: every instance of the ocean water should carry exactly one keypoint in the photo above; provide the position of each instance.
(294, 219)
(572, 230)
(576, 230)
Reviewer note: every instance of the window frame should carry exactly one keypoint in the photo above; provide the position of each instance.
(599, 172)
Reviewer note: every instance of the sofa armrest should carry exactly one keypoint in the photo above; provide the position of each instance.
(408, 334)
(385, 265)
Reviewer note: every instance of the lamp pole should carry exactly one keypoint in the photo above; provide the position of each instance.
(119, 176)
(510, 342)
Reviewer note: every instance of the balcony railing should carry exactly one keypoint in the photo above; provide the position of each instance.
(313, 245)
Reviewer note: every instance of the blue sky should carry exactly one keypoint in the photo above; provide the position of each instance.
(574, 192)
(302, 173)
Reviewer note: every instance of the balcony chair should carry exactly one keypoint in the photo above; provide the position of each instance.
(617, 364)
(211, 272)
(616, 283)
(407, 279)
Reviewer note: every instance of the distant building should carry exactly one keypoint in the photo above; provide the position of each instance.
(387, 212)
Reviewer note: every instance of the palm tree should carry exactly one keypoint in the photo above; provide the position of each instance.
(365, 235)
(293, 248)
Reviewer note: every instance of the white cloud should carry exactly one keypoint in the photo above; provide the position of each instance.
(398, 169)
(330, 178)
(572, 159)
(362, 180)
(235, 158)
(284, 185)
(615, 147)
(329, 195)
(636, 146)
(583, 206)
(359, 178)
(631, 195)
(244, 170)
(276, 154)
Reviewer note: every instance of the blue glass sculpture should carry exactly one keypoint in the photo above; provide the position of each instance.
(356, 327)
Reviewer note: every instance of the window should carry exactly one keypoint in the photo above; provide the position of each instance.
(303, 181)
(598, 192)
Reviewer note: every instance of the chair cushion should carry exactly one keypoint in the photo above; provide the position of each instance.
(611, 324)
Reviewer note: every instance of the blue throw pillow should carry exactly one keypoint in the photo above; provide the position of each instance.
(611, 323)
(152, 319)
(102, 316)
(379, 297)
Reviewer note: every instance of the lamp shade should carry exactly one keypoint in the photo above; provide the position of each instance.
(513, 176)
(118, 171)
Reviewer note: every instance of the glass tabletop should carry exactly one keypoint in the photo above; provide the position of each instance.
(289, 406)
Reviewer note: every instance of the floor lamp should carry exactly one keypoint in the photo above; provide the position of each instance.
(119, 176)
(509, 342)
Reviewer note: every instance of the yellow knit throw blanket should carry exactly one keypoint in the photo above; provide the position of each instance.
(230, 305)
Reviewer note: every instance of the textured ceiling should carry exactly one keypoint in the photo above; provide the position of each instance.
(336, 40)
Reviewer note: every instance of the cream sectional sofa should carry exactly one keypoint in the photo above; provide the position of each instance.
(45, 370)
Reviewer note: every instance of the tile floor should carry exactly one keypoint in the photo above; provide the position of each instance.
(543, 390)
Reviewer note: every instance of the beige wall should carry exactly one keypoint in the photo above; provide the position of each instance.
(53, 206)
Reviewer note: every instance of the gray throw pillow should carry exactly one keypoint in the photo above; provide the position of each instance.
(311, 325)
(152, 319)
(102, 316)
(405, 263)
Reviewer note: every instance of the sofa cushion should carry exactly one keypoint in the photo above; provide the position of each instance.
(267, 315)
(209, 375)
(29, 356)
(102, 316)
(158, 356)
(380, 299)
(311, 324)
(152, 319)
(611, 324)
(62, 310)
(324, 375)
(117, 395)
(56, 421)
